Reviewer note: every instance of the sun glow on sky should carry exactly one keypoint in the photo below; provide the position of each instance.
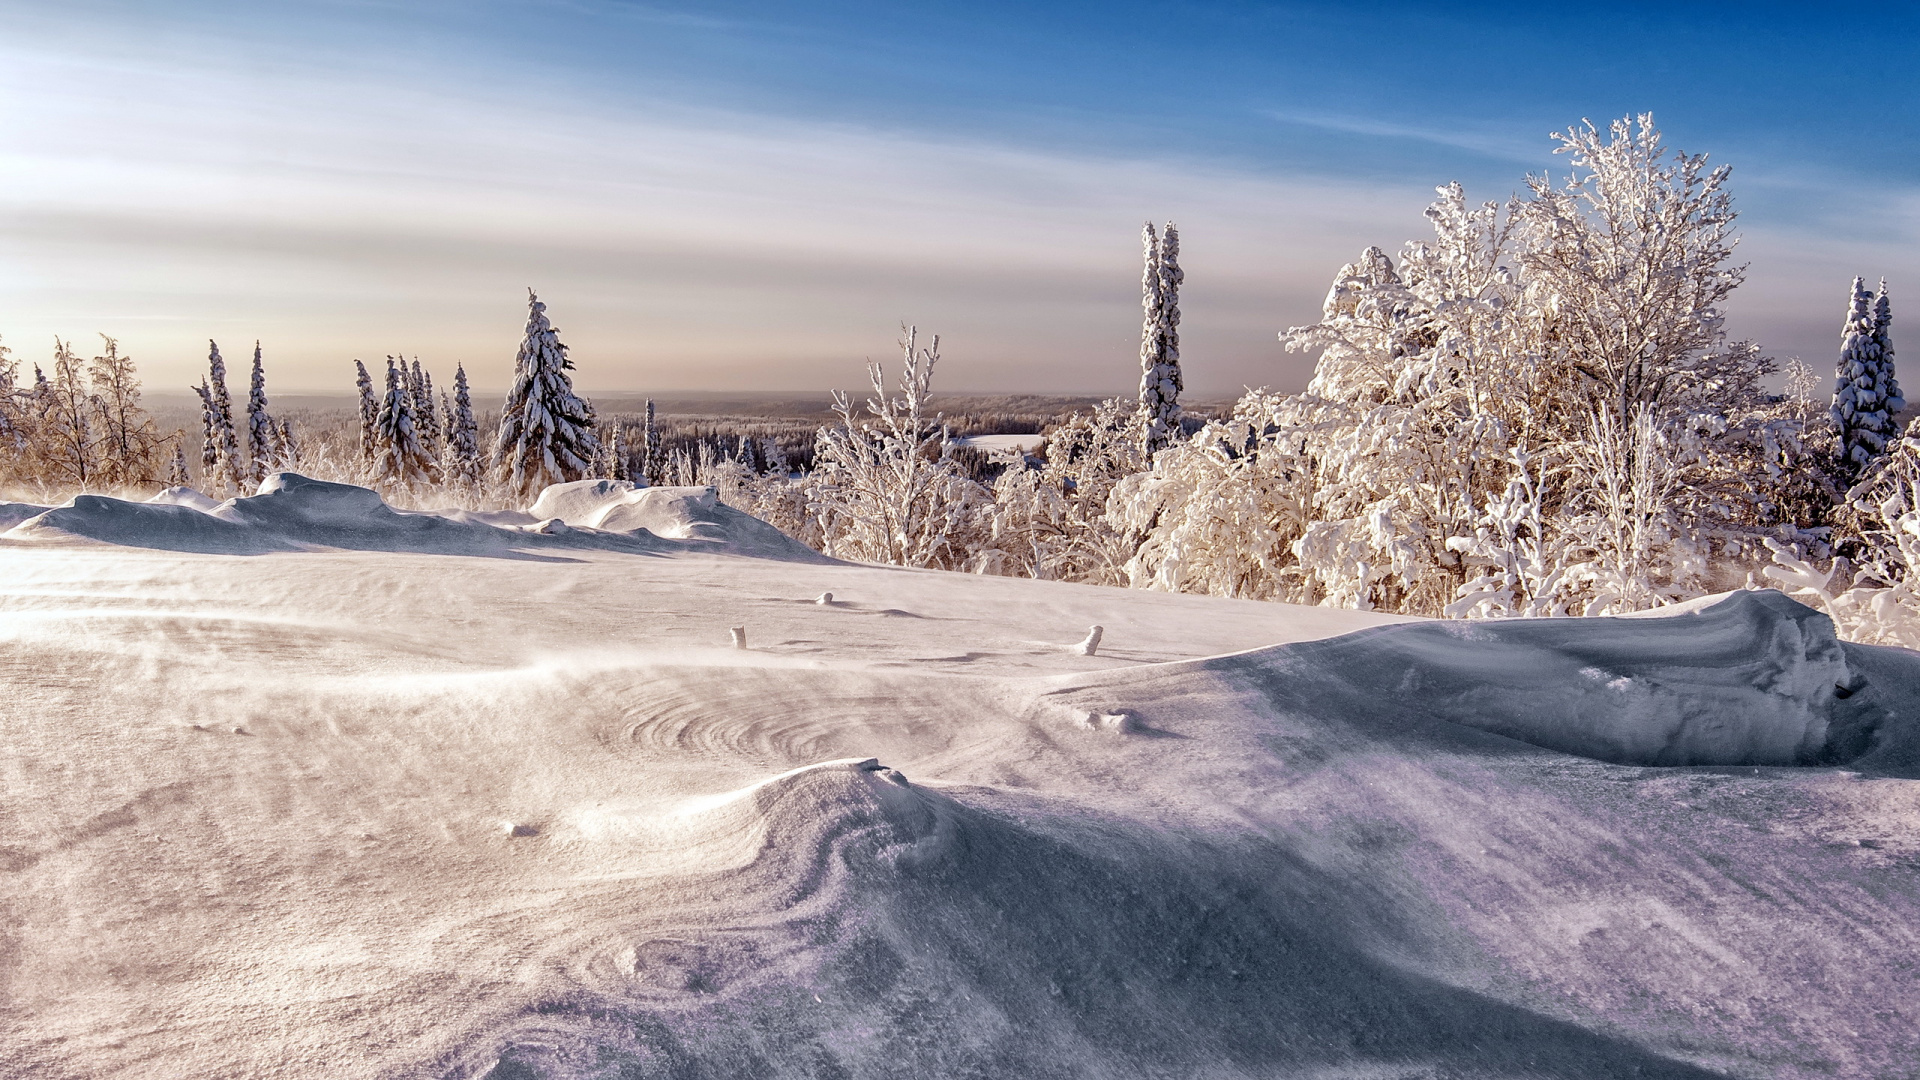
(741, 196)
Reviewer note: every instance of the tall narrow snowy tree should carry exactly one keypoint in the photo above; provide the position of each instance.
(369, 411)
(421, 386)
(209, 440)
(400, 459)
(230, 467)
(1160, 382)
(463, 440)
(262, 434)
(546, 430)
(1865, 394)
(651, 465)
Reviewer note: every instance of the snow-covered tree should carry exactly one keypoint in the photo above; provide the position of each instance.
(650, 458)
(1051, 521)
(232, 469)
(420, 385)
(1160, 381)
(69, 441)
(177, 475)
(546, 431)
(262, 433)
(369, 411)
(129, 445)
(885, 485)
(287, 447)
(1866, 396)
(463, 465)
(400, 460)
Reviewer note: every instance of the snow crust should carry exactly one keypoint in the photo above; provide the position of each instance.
(364, 805)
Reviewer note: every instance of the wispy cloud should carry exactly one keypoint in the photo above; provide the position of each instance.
(1502, 144)
(679, 247)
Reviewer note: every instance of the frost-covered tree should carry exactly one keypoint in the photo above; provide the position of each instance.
(546, 431)
(286, 446)
(420, 385)
(650, 458)
(1160, 381)
(369, 411)
(226, 466)
(1050, 521)
(69, 441)
(129, 445)
(463, 464)
(1866, 396)
(262, 433)
(401, 459)
(177, 475)
(885, 485)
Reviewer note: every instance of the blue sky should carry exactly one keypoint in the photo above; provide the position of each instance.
(728, 196)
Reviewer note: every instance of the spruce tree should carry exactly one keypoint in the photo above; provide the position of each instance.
(369, 411)
(227, 441)
(463, 437)
(177, 468)
(546, 431)
(651, 466)
(1865, 393)
(209, 441)
(400, 459)
(262, 435)
(1160, 381)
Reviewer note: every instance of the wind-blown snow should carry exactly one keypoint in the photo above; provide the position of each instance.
(363, 806)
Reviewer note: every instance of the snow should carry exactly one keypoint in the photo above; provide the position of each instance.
(364, 805)
(1001, 444)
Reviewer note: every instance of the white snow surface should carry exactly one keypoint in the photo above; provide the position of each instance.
(1001, 444)
(417, 795)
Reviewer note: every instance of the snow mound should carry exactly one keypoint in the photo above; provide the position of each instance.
(185, 496)
(1750, 678)
(293, 512)
(13, 513)
(676, 513)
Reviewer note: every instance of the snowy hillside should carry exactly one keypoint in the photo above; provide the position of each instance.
(300, 785)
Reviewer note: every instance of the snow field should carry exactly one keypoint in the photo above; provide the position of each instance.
(517, 808)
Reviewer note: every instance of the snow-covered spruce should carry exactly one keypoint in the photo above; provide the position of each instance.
(262, 434)
(369, 411)
(400, 458)
(546, 430)
(226, 464)
(1160, 381)
(1866, 396)
(463, 464)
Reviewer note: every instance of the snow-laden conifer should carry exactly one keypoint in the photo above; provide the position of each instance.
(228, 464)
(463, 466)
(1865, 394)
(424, 411)
(651, 465)
(262, 434)
(1160, 381)
(177, 475)
(400, 459)
(369, 411)
(546, 430)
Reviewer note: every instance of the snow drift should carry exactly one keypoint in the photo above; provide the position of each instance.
(1746, 678)
(372, 812)
(293, 512)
